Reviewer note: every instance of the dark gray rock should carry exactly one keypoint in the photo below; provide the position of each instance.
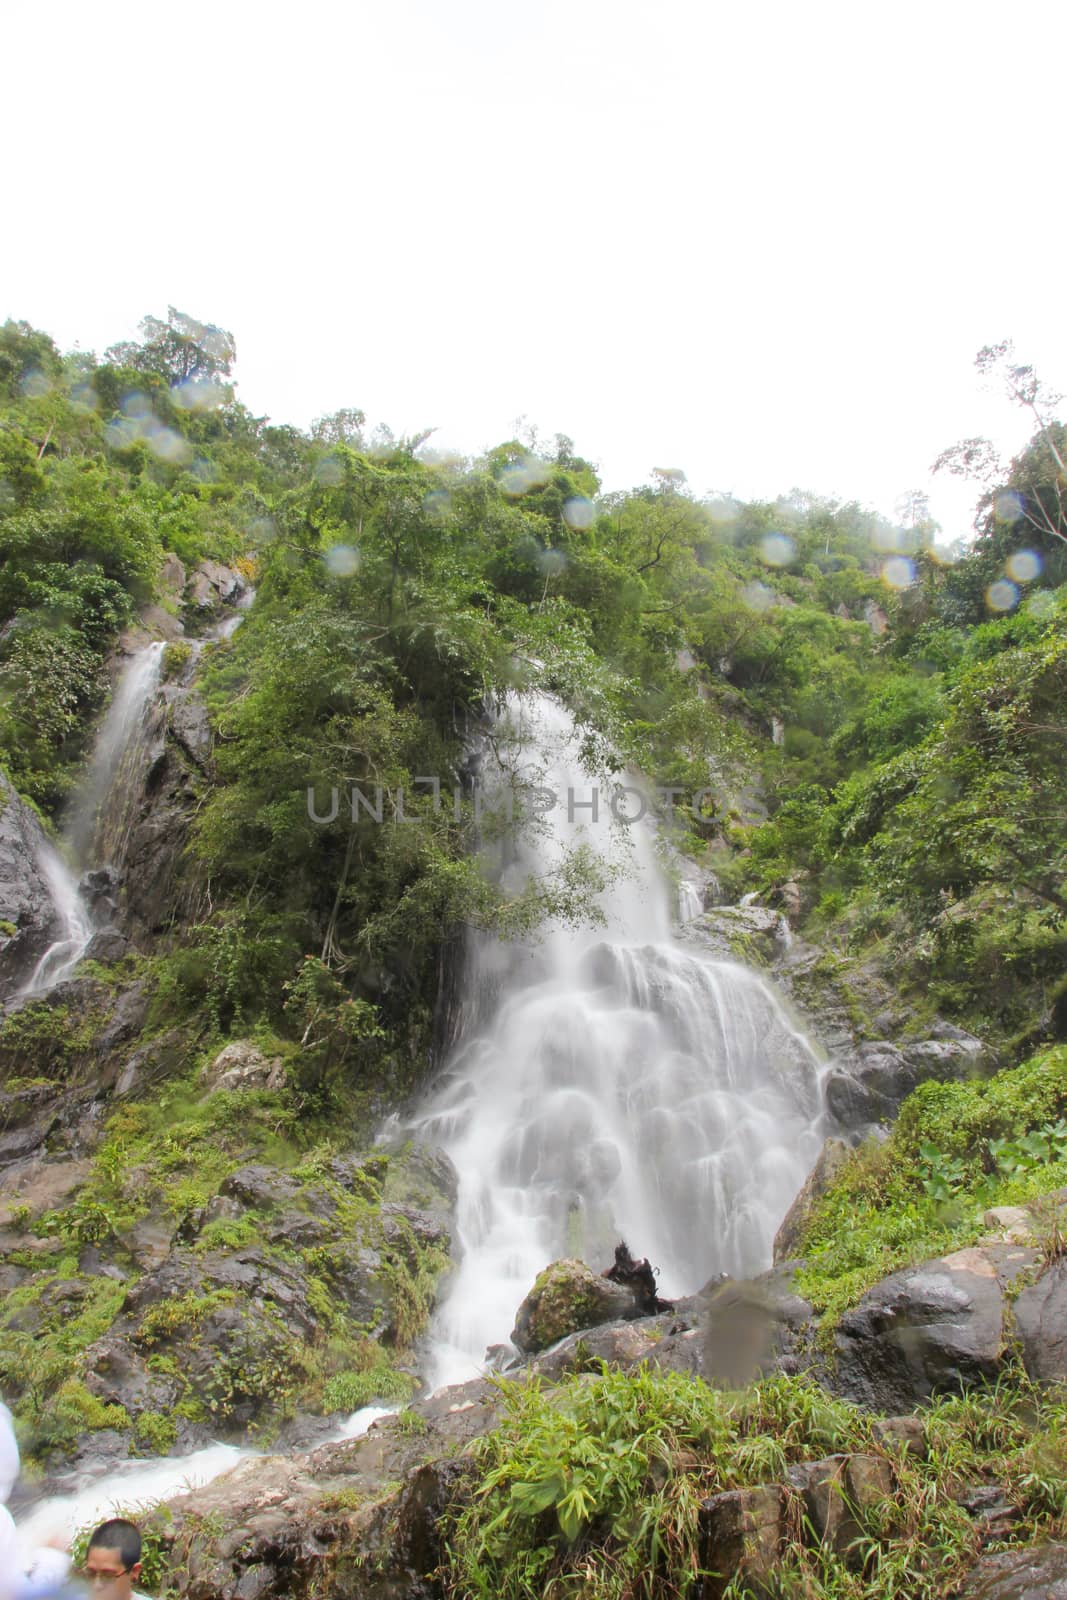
(935, 1328)
(1037, 1572)
(870, 1083)
(26, 901)
(107, 945)
(1041, 1319)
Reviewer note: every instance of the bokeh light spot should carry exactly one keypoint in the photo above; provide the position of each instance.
(329, 472)
(1002, 595)
(523, 476)
(552, 562)
(777, 549)
(34, 384)
(342, 560)
(898, 572)
(757, 596)
(1008, 506)
(1024, 566)
(578, 512)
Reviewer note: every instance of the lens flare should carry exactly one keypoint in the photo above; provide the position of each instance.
(83, 397)
(757, 596)
(329, 471)
(552, 562)
(1008, 506)
(898, 572)
(34, 384)
(168, 445)
(342, 560)
(1024, 566)
(524, 475)
(578, 512)
(777, 549)
(437, 504)
(1002, 595)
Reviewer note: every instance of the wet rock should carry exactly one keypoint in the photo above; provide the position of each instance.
(870, 1084)
(836, 1492)
(906, 1434)
(29, 922)
(831, 1159)
(989, 1505)
(107, 945)
(189, 726)
(212, 585)
(754, 1326)
(741, 1534)
(171, 580)
(567, 1297)
(1037, 1572)
(1041, 1320)
(935, 1328)
(242, 1065)
(260, 1186)
(740, 933)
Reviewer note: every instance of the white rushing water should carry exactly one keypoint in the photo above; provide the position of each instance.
(137, 1486)
(624, 1085)
(75, 924)
(103, 813)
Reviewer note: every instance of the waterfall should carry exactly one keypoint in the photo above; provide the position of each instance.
(103, 813)
(620, 1085)
(62, 955)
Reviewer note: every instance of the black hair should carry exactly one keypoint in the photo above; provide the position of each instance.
(120, 1535)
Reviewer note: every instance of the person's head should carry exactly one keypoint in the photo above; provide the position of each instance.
(113, 1559)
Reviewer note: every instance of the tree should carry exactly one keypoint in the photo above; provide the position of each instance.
(182, 349)
(1012, 495)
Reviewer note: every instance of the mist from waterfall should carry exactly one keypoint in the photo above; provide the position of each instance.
(619, 1083)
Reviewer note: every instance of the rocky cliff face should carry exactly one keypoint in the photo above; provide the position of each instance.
(28, 916)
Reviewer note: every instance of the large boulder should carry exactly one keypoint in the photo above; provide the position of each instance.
(930, 1329)
(1037, 1572)
(567, 1297)
(870, 1083)
(242, 1065)
(831, 1159)
(29, 920)
(1041, 1320)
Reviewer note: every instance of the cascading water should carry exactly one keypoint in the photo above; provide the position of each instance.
(625, 1086)
(74, 921)
(103, 813)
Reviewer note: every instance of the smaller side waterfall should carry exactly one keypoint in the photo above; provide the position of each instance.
(76, 927)
(103, 814)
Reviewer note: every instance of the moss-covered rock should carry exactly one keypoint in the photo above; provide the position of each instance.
(567, 1297)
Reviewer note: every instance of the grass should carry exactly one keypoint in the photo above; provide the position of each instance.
(595, 1488)
(956, 1150)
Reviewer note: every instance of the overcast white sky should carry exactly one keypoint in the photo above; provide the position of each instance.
(758, 242)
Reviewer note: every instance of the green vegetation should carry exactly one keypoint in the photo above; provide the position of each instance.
(595, 1487)
(955, 1151)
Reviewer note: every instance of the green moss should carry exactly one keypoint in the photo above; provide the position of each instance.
(156, 1432)
(350, 1391)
